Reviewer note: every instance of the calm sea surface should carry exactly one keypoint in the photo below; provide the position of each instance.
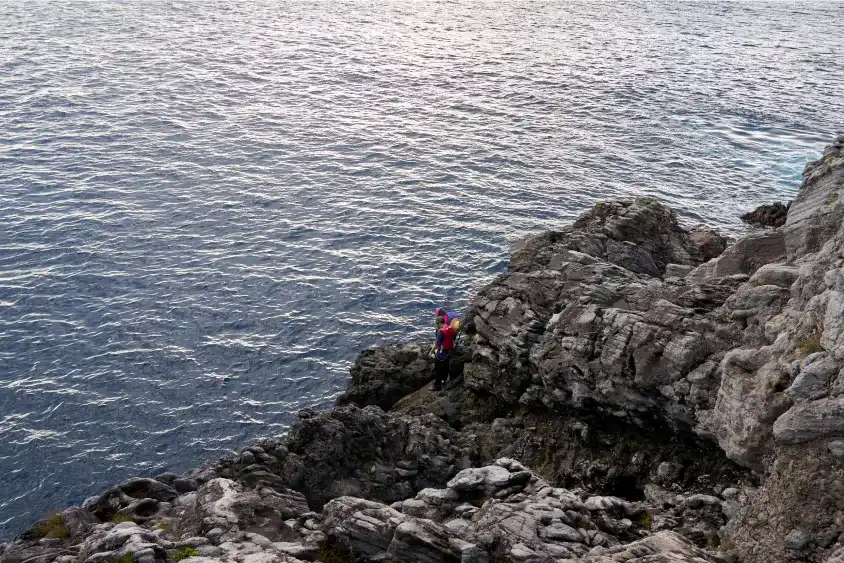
(208, 208)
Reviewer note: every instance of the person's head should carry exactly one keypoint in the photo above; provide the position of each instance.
(440, 312)
(440, 322)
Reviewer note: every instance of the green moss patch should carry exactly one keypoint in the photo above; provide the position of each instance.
(120, 518)
(184, 553)
(810, 346)
(646, 520)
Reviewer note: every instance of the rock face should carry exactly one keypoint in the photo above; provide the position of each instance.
(352, 452)
(815, 215)
(628, 391)
(625, 316)
(602, 331)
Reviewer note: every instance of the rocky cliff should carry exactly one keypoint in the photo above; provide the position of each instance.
(628, 391)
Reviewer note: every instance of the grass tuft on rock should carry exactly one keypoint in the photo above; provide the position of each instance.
(52, 527)
(646, 520)
(126, 558)
(184, 553)
(810, 346)
(120, 518)
(164, 525)
(332, 553)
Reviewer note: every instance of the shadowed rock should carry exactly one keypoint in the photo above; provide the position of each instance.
(772, 215)
(382, 376)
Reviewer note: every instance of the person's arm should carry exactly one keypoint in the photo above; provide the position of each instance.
(439, 341)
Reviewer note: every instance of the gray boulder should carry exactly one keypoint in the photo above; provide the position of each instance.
(225, 505)
(746, 256)
(129, 495)
(814, 420)
(424, 541)
(362, 527)
(485, 480)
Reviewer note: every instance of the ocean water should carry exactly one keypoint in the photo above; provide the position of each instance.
(208, 208)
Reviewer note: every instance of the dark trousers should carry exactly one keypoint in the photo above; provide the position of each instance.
(441, 370)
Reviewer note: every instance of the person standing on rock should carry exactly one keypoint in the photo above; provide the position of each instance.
(443, 344)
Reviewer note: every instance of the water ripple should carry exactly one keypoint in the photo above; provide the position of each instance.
(208, 208)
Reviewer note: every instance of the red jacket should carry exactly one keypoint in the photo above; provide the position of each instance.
(448, 338)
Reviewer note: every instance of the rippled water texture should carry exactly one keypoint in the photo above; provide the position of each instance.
(208, 209)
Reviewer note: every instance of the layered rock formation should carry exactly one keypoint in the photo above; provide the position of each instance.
(628, 391)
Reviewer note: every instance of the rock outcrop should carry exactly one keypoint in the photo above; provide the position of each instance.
(772, 215)
(382, 376)
(628, 391)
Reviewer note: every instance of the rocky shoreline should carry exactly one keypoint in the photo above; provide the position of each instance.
(628, 391)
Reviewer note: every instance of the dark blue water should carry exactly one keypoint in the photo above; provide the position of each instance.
(208, 208)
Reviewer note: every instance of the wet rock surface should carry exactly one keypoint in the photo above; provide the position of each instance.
(628, 391)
